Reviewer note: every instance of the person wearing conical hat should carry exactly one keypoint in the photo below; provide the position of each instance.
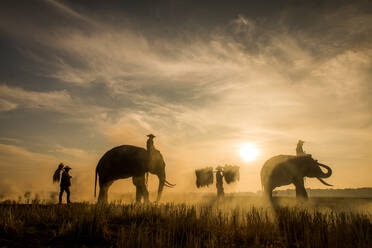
(299, 150)
(219, 182)
(65, 184)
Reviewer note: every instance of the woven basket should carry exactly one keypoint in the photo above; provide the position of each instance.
(231, 173)
(204, 177)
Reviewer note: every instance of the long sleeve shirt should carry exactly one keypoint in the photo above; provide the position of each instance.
(65, 180)
(150, 144)
(299, 150)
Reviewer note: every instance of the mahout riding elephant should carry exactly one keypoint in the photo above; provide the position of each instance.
(130, 161)
(286, 169)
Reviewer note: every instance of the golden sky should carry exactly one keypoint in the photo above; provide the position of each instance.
(205, 78)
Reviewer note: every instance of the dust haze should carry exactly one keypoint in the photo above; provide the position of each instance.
(80, 80)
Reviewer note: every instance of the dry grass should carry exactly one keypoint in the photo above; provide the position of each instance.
(180, 225)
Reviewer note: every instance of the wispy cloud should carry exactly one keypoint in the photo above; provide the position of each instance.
(69, 11)
(203, 93)
(19, 98)
(7, 105)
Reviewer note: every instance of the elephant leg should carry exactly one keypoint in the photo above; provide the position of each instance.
(103, 191)
(268, 191)
(300, 188)
(138, 194)
(141, 189)
(135, 181)
(145, 193)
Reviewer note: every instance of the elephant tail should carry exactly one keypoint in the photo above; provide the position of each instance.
(95, 184)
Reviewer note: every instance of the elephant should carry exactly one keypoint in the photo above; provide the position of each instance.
(130, 161)
(286, 169)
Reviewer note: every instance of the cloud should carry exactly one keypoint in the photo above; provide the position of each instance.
(76, 109)
(10, 140)
(75, 156)
(14, 97)
(6, 105)
(270, 80)
(68, 10)
(25, 170)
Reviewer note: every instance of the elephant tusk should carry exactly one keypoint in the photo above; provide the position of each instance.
(322, 181)
(169, 184)
(166, 184)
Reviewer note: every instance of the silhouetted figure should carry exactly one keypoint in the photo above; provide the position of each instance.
(288, 169)
(129, 161)
(65, 184)
(150, 146)
(299, 150)
(150, 143)
(219, 182)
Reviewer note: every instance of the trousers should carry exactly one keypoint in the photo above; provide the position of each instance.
(64, 189)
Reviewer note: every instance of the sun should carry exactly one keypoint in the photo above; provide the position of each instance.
(248, 152)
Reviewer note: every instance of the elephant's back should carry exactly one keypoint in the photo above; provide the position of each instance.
(126, 150)
(272, 163)
(125, 155)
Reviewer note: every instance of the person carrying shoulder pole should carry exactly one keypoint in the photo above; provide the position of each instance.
(65, 181)
(65, 184)
(219, 182)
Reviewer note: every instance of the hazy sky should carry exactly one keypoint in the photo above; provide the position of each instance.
(80, 77)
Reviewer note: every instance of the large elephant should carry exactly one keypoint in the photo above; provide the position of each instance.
(286, 169)
(130, 161)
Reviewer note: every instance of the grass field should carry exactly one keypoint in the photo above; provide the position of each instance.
(234, 222)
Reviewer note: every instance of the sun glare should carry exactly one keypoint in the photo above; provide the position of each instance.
(248, 152)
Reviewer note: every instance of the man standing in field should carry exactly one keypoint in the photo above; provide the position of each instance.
(65, 184)
(219, 182)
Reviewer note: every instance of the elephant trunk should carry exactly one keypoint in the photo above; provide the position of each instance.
(161, 185)
(163, 182)
(329, 171)
(325, 175)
